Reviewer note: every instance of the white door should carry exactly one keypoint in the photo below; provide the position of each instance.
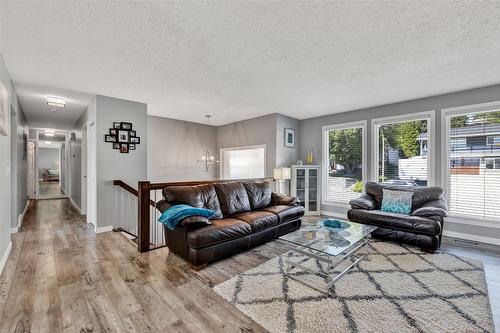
(32, 179)
(84, 170)
(91, 174)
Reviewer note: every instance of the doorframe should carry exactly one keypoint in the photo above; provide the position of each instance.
(84, 166)
(92, 173)
(31, 159)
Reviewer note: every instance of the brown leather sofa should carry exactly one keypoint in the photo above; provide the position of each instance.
(247, 215)
(422, 228)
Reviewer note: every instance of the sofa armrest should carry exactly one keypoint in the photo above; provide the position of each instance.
(279, 199)
(363, 202)
(163, 205)
(433, 208)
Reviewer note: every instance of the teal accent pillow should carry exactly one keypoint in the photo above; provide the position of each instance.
(397, 201)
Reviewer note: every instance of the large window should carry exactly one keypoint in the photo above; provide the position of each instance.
(402, 150)
(344, 159)
(243, 162)
(474, 165)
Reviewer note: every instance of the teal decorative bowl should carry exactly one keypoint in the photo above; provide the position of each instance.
(335, 225)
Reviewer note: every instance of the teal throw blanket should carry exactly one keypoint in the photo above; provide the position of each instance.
(176, 213)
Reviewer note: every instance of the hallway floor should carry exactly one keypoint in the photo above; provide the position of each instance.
(49, 189)
(61, 277)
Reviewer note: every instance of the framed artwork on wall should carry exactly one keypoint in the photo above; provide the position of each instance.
(289, 138)
(123, 136)
(126, 126)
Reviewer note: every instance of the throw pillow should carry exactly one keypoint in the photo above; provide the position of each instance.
(397, 201)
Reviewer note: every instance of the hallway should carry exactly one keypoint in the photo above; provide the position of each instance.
(61, 277)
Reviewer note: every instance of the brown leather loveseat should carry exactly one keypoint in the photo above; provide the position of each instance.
(422, 228)
(247, 215)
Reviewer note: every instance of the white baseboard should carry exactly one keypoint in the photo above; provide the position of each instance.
(5, 257)
(20, 219)
(481, 239)
(75, 205)
(104, 229)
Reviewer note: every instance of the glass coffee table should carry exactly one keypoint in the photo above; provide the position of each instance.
(331, 247)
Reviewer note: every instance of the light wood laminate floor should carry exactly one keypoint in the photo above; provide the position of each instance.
(61, 277)
(49, 189)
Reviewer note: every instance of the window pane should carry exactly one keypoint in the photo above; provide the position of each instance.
(474, 175)
(403, 153)
(243, 163)
(345, 163)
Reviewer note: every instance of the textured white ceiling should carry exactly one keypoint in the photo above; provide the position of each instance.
(238, 60)
(33, 100)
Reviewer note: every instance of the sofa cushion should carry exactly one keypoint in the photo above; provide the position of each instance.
(233, 198)
(258, 219)
(259, 194)
(421, 194)
(286, 213)
(219, 231)
(199, 196)
(415, 224)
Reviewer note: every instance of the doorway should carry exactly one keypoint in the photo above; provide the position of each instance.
(50, 165)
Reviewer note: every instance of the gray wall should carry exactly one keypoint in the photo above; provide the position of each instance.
(311, 129)
(111, 164)
(48, 158)
(19, 165)
(256, 131)
(76, 160)
(175, 145)
(5, 165)
(286, 156)
(174, 148)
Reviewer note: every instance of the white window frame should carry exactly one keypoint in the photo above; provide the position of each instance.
(363, 124)
(494, 138)
(430, 116)
(222, 150)
(446, 115)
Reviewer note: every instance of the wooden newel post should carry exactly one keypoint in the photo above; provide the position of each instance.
(143, 231)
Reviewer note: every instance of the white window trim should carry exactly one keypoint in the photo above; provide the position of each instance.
(222, 150)
(446, 115)
(324, 164)
(430, 116)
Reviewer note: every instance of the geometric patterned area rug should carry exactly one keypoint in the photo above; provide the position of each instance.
(396, 288)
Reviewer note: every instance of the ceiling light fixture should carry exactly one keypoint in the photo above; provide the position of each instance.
(48, 142)
(49, 132)
(56, 102)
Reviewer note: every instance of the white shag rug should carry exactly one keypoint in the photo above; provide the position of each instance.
(395, 288)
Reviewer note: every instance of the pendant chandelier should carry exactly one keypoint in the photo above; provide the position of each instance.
(207, 159)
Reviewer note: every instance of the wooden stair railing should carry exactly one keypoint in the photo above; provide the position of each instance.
(143, 194)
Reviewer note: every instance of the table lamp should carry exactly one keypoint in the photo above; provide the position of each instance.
(280, 175)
